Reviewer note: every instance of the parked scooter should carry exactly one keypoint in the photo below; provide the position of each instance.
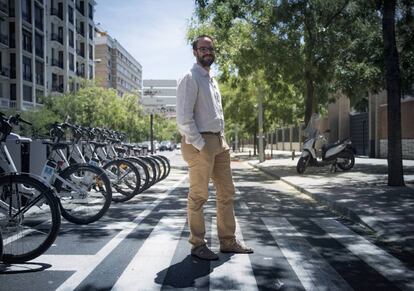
(318, 153)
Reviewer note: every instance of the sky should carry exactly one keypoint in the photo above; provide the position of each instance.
(152, 31)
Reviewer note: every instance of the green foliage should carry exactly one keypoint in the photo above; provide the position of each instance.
(98, 107)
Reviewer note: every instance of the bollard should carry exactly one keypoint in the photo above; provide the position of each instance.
(250, 153)
(293, 155)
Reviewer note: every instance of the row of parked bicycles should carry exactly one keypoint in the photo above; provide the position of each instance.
(79, 181)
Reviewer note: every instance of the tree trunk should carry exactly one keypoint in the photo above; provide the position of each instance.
(309, 101)
(395, 168)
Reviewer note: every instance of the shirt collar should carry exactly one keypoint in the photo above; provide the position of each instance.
(202, 71)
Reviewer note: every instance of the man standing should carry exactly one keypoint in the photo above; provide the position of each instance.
(201, 123)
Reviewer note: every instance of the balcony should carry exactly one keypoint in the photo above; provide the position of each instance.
(56, 12)
(4, 39)
(57, 63)
(57, 37)
(57, 88)
(4, 7)
(7, 103)
(5, 72)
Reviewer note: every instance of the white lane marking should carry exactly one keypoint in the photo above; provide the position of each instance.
(73, 281)
(235, 274)
(154, 255)
(63, 262)
(312, 270)
(388, 266)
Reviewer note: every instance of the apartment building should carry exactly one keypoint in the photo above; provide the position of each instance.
(115, 67)
(46, 47)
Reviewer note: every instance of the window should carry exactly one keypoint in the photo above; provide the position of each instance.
(90, 72)
(71, 62)
(27, 69)
(40, 95)
(12, 91)
(39, 45)
(70, 14)
(71, 38)
(90, 32)
(90, 11)
(12, 35)
(27, 10)
(39, 73)
(90, 52)
(27, 93)
(27, 41)
(12, 65)
(38, 17)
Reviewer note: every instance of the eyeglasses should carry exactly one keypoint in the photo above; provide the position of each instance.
(204, 49)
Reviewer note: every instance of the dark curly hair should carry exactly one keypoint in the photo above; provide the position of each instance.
(195, 41)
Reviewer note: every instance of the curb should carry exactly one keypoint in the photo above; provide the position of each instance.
(332, 205)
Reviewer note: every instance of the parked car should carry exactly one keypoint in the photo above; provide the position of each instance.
(166, 145)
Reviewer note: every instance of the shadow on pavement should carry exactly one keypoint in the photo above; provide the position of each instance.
(185, 273)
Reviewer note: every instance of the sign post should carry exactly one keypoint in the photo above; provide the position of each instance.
(158, 96)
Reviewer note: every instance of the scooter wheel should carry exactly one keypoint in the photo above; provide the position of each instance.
(301, 165)
(347, 161)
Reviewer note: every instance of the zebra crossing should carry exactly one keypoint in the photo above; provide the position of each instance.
(285, 256)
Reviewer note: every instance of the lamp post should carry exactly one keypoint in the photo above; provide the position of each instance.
(260, 119)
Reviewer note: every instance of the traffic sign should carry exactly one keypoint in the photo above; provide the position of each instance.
(160, 83)
(162, 100)
(159, 92)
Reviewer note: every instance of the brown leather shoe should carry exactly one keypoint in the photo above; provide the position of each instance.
(204, 253)
(234, 246)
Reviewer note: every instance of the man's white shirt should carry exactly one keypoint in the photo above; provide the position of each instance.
(199, 107)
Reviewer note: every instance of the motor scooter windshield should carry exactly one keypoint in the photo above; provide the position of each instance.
(312, 131)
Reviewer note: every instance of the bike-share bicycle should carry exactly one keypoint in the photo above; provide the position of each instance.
(29, 209)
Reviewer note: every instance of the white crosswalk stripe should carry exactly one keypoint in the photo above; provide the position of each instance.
(387, 265)
(237, 273)
(73, 281)
(312, 270)
(156, 254)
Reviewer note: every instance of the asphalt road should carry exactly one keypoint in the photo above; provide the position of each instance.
(142, 245)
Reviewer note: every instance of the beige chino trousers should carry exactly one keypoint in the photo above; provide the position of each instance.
(213, 161)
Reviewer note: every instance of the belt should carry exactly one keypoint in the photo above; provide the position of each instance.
(210, 132)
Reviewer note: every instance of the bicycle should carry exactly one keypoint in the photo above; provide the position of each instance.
(29, 210)
(84, 190)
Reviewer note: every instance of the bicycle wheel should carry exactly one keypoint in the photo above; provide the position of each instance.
(143, 172)
(1, 246)
(167, 163)
(152, 170)
(85, 193)
(125, 179)
(29, 217)
(163, 167)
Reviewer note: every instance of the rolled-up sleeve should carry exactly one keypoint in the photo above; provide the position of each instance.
(187, 92)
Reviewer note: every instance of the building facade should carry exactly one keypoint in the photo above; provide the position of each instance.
(46, 47)
(115, 67)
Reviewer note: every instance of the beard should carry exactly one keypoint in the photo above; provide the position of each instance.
(206, 60)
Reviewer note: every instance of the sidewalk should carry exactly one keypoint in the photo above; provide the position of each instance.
(362, 194)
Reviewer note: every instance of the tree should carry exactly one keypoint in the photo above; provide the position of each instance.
(393, 79)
